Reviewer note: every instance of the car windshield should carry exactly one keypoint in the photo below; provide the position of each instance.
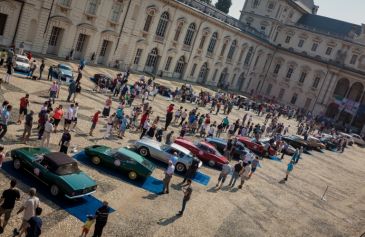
(111, 152)
(64, 67)
(66, 169)
(22, 60)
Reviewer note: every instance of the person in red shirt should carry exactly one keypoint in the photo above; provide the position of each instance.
(94, 121)
(169, 115)
(23, 108)
(144, 117)
(57, 116)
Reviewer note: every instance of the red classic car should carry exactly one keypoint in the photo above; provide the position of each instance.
(204, 151)
(255, 146)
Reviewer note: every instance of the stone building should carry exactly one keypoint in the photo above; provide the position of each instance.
(281, 49)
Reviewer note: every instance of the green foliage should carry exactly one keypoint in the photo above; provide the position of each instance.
(223, 5)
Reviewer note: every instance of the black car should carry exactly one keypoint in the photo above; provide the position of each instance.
(296, 142)
(220, 144)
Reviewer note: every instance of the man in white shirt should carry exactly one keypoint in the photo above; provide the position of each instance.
(48, 128)
(29, 211)
(168, 175)
(74, 118)
(69, 117)
(226, 170)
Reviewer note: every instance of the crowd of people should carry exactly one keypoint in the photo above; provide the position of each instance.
(200, 121)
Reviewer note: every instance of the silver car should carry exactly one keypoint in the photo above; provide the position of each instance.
(162, 152)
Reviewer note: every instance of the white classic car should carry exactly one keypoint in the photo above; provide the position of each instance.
(21, 63)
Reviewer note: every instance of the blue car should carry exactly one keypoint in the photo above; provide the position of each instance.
(63, 72)
(220, 144)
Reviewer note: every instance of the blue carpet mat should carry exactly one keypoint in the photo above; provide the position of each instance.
(150, 184)
(275, 158)
(79, 208)
(201, 178)
(21, 73)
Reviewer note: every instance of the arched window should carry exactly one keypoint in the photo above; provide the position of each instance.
(248, 56)
(189, 34)
(277, 68)
(316, 82)
(203, 72)
(178, 31)
(213, 42)
(152, 58)
(92, 7)
(180, 65)
(162, 24)
(116, 11)
(223, 49)
(232, 50)
(147, 24)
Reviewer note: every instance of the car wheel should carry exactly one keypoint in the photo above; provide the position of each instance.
(211, 163)
(95, 160)
(132, 175)
(54, 190)
(17, 164)
(180, 168)
(143, 151)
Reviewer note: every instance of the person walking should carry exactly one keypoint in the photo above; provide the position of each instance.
(71, 90)
(41, 69)
(245, 175)
(187, 195)
(109, 126)
(101, 219)
(29, 208)
(74, 117)
(28, 126)
(35, 224)
(289, 170)
(8, 199)
(65, 141)
(254, 165)
(57, 116)
(50, 73)
(192, 170)
(9, 72)
(53, 91)
(169, 115)
(23, 107)
(94, 121)
(226, 170)
(237, 169)
(87, 225)
(107, 106)
(69, 117)
(33, 67)
(168, 175)
(48, 128)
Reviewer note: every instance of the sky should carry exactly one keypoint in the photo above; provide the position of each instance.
(345, 10)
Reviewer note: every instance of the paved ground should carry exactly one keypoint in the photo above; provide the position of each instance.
(264, 207)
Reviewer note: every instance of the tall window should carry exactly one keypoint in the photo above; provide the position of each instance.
(138, 56)
(147, 24)
(241, 55)
(203, 71)
(189, 34)
(54, 36)
(116, 11)
(287, 40)
(303, 75)
(268, 89)
(168, 63)
(178, 32)
(92, 7)
(289, 73)
(180, 65)
(80, 42)
(294, 99)
(256, 3)
(3, 18)
(193, 70)
(281, 94)
(223, 49)
(300, 43)
(232, 50)
(104, 47)
(162, 25)
(202, 41)
(152, 58)
(314, 47)
(277, 68)
(328, 51)
(248, 56)
(316, 82)
(213, 42)
(215, 74)
(353, 59)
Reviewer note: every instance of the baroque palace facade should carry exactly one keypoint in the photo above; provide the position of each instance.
(279, 49)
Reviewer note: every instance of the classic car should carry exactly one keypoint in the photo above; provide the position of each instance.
(357, 139)
(220, 144)
(21, 63)
(330, 142)
(55, 169)
(296, 142)
(312, 142)
(162, 152)
(122, 159)
(63, 72)
(290, 151)
(204, 151)
(255, 146)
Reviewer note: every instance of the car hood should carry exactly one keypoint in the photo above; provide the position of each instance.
(78, 181)
(97, 148)
(66, 72)
(21, 64)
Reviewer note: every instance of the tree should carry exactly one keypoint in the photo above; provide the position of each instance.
(207, 1)
(223, 5)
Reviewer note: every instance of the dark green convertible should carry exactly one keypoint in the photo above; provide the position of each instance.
(121, 159)
(55, 169)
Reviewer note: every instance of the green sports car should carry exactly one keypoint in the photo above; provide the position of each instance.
(55, 169)
(121, 159)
